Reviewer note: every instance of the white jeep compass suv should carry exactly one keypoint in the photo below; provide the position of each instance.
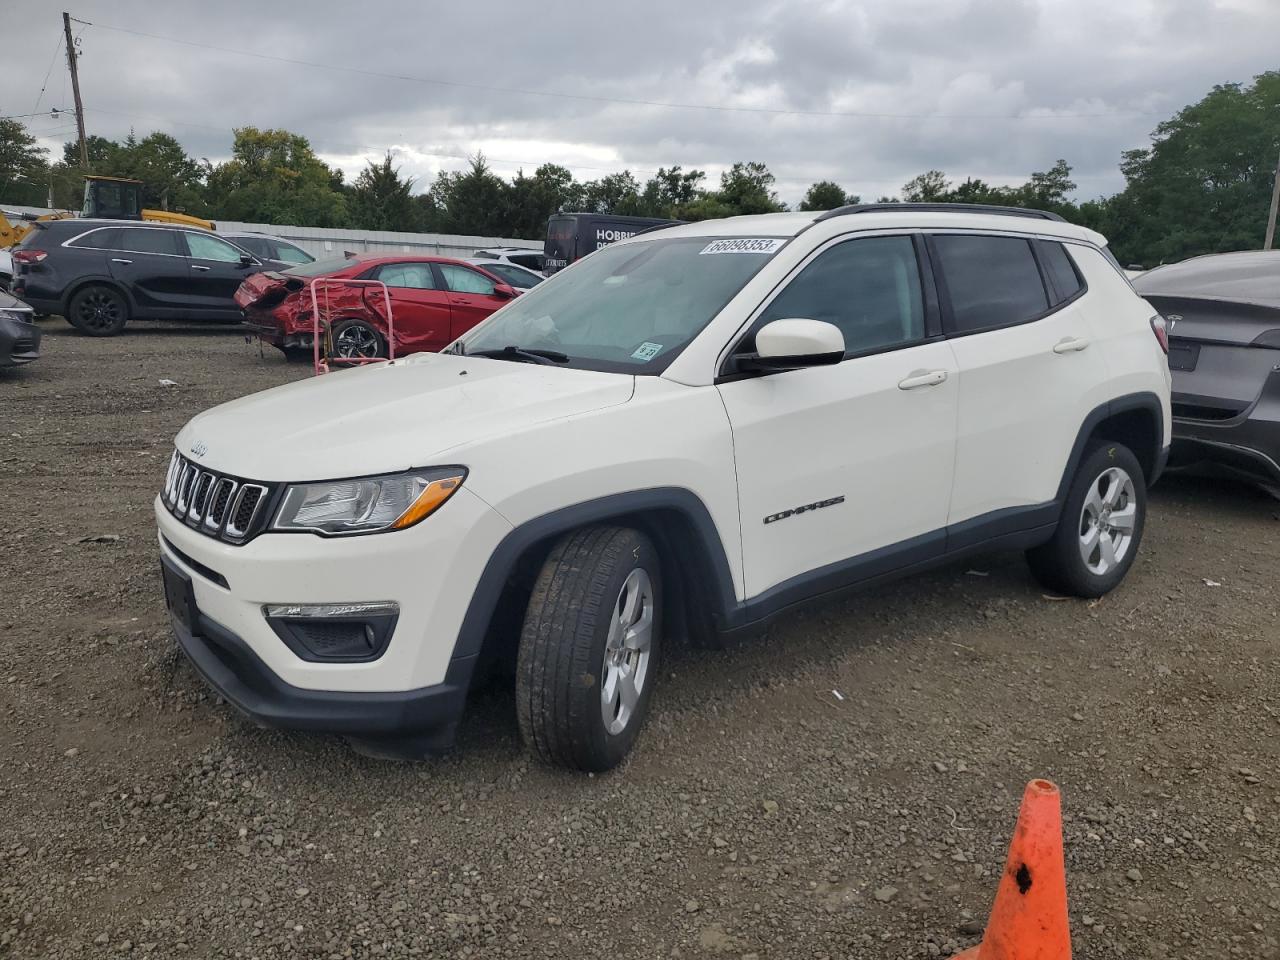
(676, 438)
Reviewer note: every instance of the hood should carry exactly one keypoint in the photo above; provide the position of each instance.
(390, 416)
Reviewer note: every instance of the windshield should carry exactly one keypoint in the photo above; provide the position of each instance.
(629, 308)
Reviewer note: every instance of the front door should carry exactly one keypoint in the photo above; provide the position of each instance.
(845, 471)
(151, 263)
(471, 296)
(217, 269)
(420, 308)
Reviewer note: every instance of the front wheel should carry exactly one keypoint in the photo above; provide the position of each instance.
(589, 648)
(98, 311)
(1100, 528)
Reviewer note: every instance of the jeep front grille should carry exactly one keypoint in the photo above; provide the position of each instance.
(217, 505)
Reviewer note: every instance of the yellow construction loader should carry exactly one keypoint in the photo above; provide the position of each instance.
(107, 198)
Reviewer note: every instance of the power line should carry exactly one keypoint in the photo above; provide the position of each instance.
(515, 91)
(44, 83)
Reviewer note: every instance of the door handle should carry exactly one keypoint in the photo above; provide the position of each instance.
(1071, 345)
(196, 266)
(923, 378)
(120, 260)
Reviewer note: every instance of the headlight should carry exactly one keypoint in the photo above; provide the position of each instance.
(369, 504)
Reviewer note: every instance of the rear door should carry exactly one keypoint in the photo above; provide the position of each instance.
(471, 296)
(216, 271)
(1029, 372)
(419, 305)
(151, 262)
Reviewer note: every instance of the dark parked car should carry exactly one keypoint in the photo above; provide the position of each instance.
(19, 336)
(100, 274)
(266, 247)
(1223, 316)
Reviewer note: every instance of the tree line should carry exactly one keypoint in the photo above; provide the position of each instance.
(1203, 186)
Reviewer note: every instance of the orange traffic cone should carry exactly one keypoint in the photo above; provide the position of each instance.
(1029, 918)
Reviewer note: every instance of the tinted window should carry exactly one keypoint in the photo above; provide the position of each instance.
(463, 280)
(530, 261)
(993, 281)
(415, 276)
(869, 288)
(259, 246)
(108, 239)
(1062, 272)
(205, 247)
(291, 254)
(516, 276)
(142, 240)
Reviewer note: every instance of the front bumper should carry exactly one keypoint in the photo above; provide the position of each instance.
(230, 666)
(19, 342)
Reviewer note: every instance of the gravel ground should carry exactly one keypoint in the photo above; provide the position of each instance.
(762, 814)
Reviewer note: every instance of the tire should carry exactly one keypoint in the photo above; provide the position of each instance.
(98, 311)
(354, 338)
(574, 662)
(1085, 559)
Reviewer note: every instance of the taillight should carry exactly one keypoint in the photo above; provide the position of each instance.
(1161, 330)
(29, 256)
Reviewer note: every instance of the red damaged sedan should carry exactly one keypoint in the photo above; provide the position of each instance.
(434, 300)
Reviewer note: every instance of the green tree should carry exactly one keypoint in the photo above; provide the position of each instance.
(381, 200)
(748, 188)
(472, 203)
(274, 176)
(669, 191)
(826, 195)
(23, 168)
(615, 193)
(932, 186)
(1204, 184)
(532, 200)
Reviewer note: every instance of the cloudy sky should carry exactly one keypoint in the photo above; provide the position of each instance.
(865, 93)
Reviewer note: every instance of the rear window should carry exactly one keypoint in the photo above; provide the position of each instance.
(1061, 269)
(992, 281)
(105, 239)
(530, 261)
(143, 240)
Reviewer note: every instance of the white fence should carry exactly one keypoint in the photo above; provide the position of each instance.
(327, 241)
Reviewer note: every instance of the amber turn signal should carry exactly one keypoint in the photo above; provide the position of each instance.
(429, 500)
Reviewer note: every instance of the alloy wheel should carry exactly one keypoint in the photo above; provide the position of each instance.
(1107, 521)
(356, 340)
(627, 652)
(99, 310)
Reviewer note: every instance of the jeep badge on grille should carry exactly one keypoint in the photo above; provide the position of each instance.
(199, 448)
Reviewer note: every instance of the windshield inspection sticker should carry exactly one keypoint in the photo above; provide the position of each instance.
(764, 245)
(646, 351)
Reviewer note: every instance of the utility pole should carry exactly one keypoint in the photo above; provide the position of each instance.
(1275, 204)
(75, 88)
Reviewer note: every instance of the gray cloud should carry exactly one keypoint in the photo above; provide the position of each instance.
(1124, 67)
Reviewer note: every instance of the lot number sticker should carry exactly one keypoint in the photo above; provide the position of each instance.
(646, 351)
(765, 245)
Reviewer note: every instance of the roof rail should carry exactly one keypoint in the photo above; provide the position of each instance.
(989, 208)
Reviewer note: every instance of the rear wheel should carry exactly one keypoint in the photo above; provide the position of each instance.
(589, 647)
(357, 339)
(1101, 526)
(98, 311)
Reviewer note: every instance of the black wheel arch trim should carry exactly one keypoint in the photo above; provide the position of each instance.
(722, 594)
(82, 282)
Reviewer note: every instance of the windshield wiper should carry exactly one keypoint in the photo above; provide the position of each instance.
(523, 354)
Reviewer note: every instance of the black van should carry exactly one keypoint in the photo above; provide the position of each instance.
(571, 236)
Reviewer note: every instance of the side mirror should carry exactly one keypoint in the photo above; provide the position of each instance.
(793, 344)
(246, 260)
(504, 291)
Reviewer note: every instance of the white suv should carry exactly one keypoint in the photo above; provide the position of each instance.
(676, 438)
